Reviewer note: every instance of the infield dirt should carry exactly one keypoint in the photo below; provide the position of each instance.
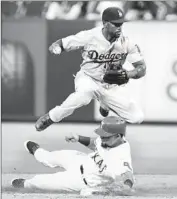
(147, 186)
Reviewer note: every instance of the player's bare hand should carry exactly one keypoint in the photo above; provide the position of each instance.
(55, 49)
(72, 138)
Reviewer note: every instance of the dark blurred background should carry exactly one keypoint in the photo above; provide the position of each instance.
(90, 10)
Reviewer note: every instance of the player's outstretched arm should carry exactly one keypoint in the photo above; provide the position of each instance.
(135, 57)
(56, 47)
(123, 184)
(86, 141)
(138, 71)
(72, 42)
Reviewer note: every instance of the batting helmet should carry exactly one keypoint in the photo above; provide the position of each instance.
(113, 15)
(111, 126)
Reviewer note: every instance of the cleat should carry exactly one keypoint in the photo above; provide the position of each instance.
(104, 112)
(18, 183)
(43, 122)
(31, 147)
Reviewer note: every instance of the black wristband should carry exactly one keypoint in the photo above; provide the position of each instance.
(60, 43)
(84, 140)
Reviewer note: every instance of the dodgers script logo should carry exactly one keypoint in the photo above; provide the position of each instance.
(108, 57)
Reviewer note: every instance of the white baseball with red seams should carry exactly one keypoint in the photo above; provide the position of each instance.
(98, 172)
(97, 52)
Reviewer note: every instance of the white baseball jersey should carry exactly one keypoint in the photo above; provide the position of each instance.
(100, 168)
(97, 51)
(97, 55)
(110, 162)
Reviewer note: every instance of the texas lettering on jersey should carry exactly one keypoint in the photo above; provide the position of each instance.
(99, 161)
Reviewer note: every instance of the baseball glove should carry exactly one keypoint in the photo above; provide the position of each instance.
(116, 76)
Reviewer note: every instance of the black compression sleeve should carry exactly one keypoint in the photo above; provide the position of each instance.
(84, 140)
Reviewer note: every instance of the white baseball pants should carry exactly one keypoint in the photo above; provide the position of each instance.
(110, 97)
(71, 179)
(68, 180)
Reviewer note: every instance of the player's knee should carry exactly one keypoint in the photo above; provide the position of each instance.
(50, 160)
(138, 117)
(87, 101)
(84, 97)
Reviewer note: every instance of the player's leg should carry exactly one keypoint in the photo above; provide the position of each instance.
(62, 181)
(67, 159)
(122, 105)
(84, 93)
(72, 102)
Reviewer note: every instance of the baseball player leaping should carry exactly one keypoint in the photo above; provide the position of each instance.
(107, 169)
(105, 50)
